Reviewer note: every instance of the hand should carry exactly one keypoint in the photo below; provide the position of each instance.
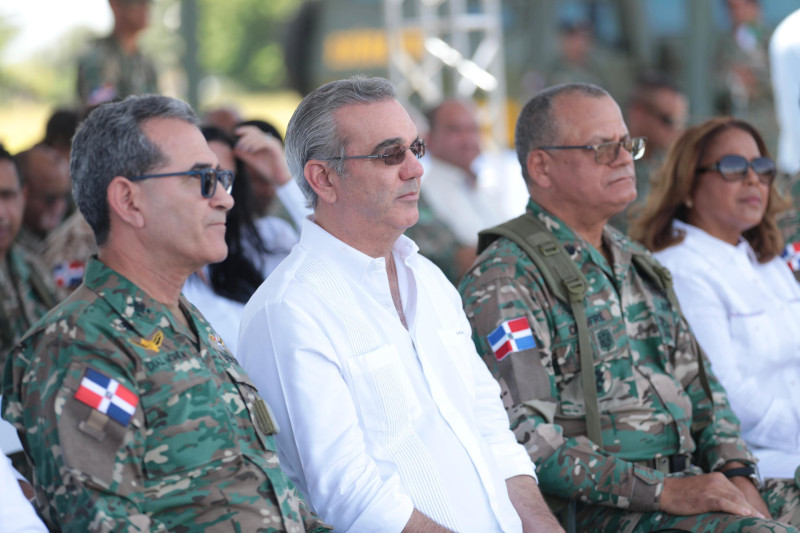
(263, 153)
(751, 493)
(707, 493)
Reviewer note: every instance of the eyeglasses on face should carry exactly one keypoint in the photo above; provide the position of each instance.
(394, 155)
(208, 179)
(605, 153)
(735, 167)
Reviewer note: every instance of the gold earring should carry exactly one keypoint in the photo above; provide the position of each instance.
(688, 203)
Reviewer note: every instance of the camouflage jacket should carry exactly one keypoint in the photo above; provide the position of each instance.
(26, 294)
(645, 366)
(133, 422)
(105, 73)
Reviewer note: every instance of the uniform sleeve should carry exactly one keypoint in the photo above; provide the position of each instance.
(88, 468)
(297, 369)
(494, 293)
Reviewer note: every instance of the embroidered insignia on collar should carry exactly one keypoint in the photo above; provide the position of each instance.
(217, 341)
(153, 344)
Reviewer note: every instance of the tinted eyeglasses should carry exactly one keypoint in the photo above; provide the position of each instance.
(605, 153)
(208, 179)
(735, 167)
(394, 155)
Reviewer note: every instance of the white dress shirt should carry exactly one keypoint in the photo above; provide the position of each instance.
(746, 316)
(464, 209)
(376, 420)
(16, 514)
(784, 58)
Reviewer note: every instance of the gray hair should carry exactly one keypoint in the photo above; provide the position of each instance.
(110, 143)
(312, 132)
(536, 125)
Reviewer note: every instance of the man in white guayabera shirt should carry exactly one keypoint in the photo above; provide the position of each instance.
(389, 420)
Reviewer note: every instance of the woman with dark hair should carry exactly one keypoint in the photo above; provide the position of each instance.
(255, 245)
(710, 219)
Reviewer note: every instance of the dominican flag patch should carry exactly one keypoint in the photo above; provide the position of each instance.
(68, 274)
(511, 336)
(791, 254)
(108, 396)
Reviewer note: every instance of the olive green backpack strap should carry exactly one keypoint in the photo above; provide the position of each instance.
(659, 274)
(568, 284)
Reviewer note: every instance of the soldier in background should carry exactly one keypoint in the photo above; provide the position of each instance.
(134, 414)
(26, 292)
(113, 67)
(658, 111)
(46, 186)
(637, 440)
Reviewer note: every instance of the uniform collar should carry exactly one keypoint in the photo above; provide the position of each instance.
(136, 309)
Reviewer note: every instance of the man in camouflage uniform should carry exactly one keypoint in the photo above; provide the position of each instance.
(133, 413)
(113, 67)
(663, 444)
(26, 292)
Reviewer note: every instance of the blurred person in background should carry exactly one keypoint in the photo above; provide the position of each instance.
(26, 293)
(46, 187)
(452, 191)
(658, 111)
(59, 130)
(255, 245)
(711, 220)
(744, 89)
(784, 57)
(113, 67)
(226, 118)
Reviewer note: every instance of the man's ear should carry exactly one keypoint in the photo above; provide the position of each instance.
(538, 166)
(124, 201)
(321, 178)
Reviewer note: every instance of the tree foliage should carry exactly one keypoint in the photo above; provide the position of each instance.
(241, 40)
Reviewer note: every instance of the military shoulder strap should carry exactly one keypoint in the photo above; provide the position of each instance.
(568, 284)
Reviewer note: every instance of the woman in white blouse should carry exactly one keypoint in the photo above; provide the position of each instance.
(710, 219)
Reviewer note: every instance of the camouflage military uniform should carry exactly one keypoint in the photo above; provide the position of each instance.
(435, 241)
(26, 294)
(647, 381)
(191, 449)
(29, 240)
(105, 73)
(67, 250)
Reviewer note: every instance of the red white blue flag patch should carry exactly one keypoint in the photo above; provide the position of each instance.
(108, 396)
(791, 254)
(511, 336)
(68, 274)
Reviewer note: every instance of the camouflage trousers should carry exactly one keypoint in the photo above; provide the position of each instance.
(782, 497)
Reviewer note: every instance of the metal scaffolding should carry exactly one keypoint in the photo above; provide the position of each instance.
(461, 56)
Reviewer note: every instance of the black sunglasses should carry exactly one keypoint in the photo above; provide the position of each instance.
(394, 155)
(208, 179)
(735, 167)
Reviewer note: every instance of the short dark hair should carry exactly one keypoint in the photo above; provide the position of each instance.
(536, 125)
(5, 155)
(109, 143)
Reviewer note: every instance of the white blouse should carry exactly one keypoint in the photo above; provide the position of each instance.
(746, 316)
